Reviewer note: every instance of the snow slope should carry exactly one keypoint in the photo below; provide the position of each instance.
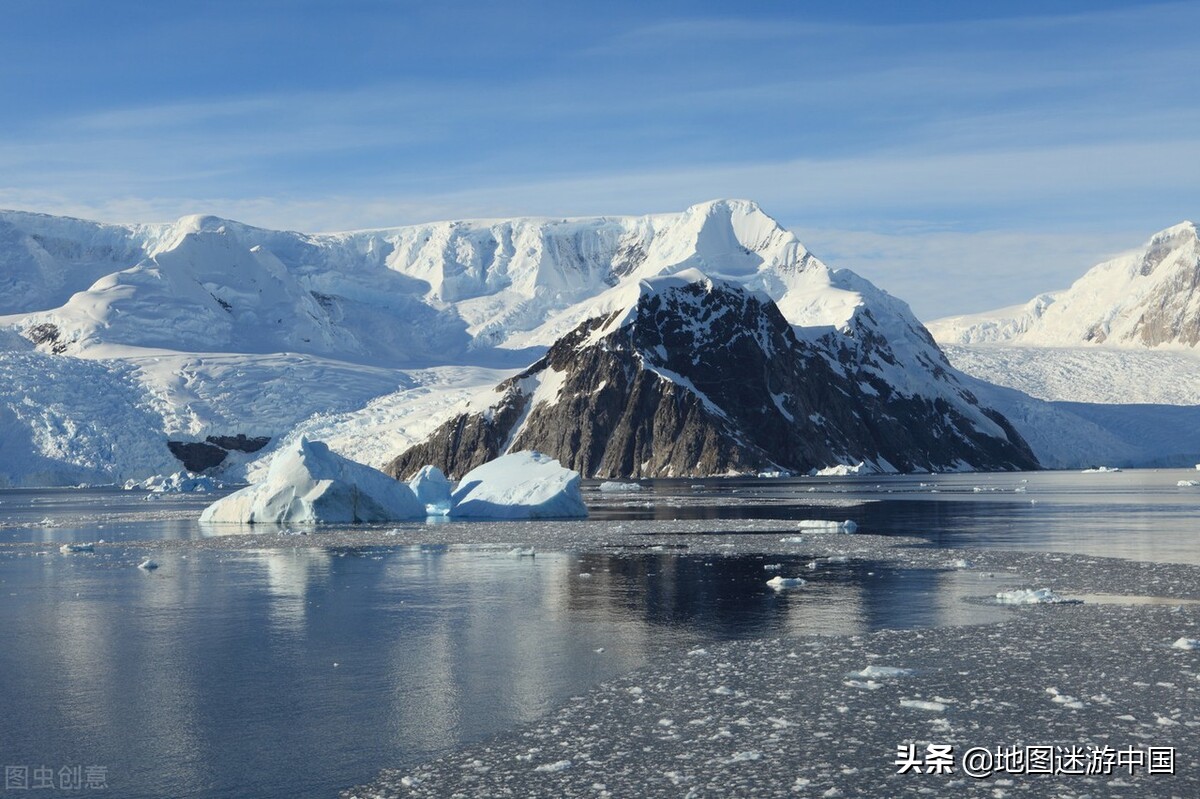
(65, 421)
(1146, 298)
(1106, 375)
(1073, 435)
(1079, 406)
(1125, 332)
(1115, 355)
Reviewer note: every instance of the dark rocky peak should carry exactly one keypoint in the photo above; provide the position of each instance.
(705, 377)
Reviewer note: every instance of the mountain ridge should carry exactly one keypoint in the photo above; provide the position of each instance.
(208, 327)
(1147, 297)
(702, 376)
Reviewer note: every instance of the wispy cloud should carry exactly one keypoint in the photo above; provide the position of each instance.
(1062, 128)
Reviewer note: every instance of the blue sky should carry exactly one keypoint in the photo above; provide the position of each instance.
(961, 155)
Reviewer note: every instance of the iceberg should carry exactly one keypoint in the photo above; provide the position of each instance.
(520, 485)
(882, 672)
(433, 489)
(823, 526)
(307, 483)
(842, 470)
(1030, 596)
(615, 487)
(177, 483)
(68, 549)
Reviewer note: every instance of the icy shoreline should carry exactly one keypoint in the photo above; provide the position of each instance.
(780, 717)
(794, 717)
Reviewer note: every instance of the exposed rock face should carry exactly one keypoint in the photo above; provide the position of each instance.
(196, 456)
(241, 442)
(704, 377)
(46, 335)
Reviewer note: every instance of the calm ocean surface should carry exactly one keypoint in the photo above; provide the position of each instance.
(299, 672)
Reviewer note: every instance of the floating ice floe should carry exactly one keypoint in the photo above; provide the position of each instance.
(308, 483)
(1031, 596)
(148, 565)
(780, 583)
(1186, 643)
(1101, 470)
(882, 672)
(519, 552)
(67, 549)
(433, 490)
(774, 473)
(177, 483)
(615, 487)
(843, 470)
(822, 526)
(522, 485)
(1063, 699)
(921, 704)
(1188, 483)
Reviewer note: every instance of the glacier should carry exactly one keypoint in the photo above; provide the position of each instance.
(1107, 371)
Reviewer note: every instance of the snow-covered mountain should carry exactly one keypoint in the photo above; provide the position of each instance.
(702, 377)
(423, 294)
(1105, 372)
(117, 339)
(208, 327)
(1146, 298)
